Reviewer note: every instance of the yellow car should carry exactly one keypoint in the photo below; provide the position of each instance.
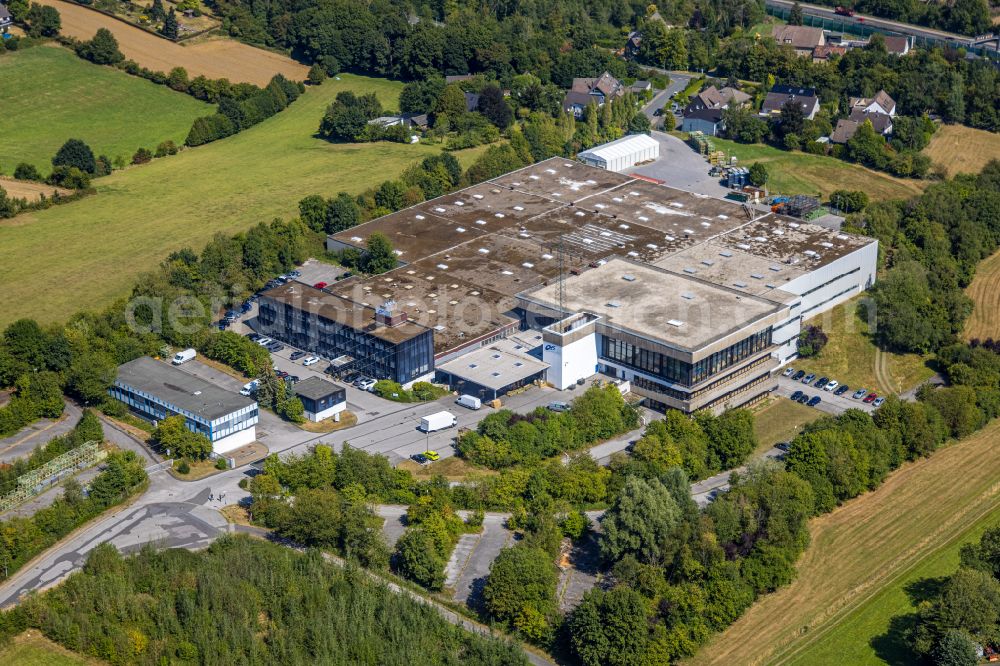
(432, 455)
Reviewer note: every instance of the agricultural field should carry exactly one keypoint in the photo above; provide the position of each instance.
(985, 293)
(33, 649)
(21, 189)
(142, 214)
(218, 58)
(50, 95)
(852, 578)
(802, 173)
(949, 148)
(852, 358)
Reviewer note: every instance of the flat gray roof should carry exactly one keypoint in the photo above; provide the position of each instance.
(496, 366)
(316, 388)
(683, 311)
(180, 389)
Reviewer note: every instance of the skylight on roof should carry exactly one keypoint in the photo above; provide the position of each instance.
(614, 304)
(675, 322)
(443, 267)
(740, 284)
(688, 296)
(440, 209)
(419, 217)
(707, 262)
(460, 230)
(628, 277)
(726, 254)
(690, 271)
(757, 276)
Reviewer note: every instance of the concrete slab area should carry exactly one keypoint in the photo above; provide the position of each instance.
(470, 581)
(460, 558)
(395, 522)
(580, 573)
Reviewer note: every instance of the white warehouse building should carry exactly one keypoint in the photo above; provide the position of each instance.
(622, 153)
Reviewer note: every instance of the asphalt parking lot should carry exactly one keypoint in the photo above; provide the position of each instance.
(680, 166)
(471, 577)
(831, 404)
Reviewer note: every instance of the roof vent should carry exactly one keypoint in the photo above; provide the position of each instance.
(614, 304)
(707, 262)
(675, 322)
(628, 277)
(741, 285)
(726, 253)
(690, 271)
(197, 393)
(757, 276)
(688, 296)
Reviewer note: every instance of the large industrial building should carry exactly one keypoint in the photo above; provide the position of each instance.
(694, 300)
(155, 390)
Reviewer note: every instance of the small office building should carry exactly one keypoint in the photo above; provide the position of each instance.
(155, 390)
(321, 399)
(492, 371)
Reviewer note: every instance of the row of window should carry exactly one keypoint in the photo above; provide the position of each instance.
(645, 384)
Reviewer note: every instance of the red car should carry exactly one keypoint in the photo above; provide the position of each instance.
(844, 11)
(320, 285)
(870, 397)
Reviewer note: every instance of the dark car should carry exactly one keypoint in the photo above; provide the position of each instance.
(350, 377)
(781, 446)
(223, 325)
(796, 395)
(815, 401)
(799, 375)
(822, 382)
(842, 389)
(280, 374)
(803, 398)
(275, 347)
(253, 337)
(292, 379)
(658, 112)
(296, 355)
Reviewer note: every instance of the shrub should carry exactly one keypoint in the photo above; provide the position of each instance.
(142, 156)
(811, 341)
(183, 467)
(221, 463)
(25, 171)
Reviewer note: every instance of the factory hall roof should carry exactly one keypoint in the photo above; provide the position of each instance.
(497, 366)
(466, 255)
(180, 389)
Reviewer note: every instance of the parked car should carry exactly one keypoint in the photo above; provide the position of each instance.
(350, 377)
(292, 379)
(275, 347)
(263, 342)
(877, 402)
(803, 398)
(870, 398)
(280, 374)
(367, 384)
(312, 360)
(796, 395)
(781, 446)
(432, 455)
(420, 459)
(253, 337)
(860, 393)
(249, 388)
(808, 378)
(799, 375)
(558, 406)
(658, 112)
(223, 325)
(788, 372)
(296, 355)
(832, 384)
(815, 401)
(320, 285)
(842, 389)
(821, 382)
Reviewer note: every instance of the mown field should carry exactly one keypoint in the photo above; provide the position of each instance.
(215, 58)
(852, 358)
(802, 173)
(23, 189)
(985, 293)
(50, 95)
(961, 149)
(780, 420)
(86, 253)
(33, 649)
(860, 558)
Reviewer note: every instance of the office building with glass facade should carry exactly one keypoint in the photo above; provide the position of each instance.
(155, 390)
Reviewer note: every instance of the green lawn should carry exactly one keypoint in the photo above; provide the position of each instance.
(794, 172)
(852, 358)
(33, 649)
(87, 253)
(50, 95)
(780, 420)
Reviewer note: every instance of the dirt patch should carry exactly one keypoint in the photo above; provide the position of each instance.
(23, 189)
(347, 420)
(215, 58)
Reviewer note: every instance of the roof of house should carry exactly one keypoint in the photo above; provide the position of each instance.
(416, 119)
(642, 85)
(710, 115)
(4, 13)
(881, 98)
(824, 51)
(575, 98)
(799, 36)
(844, 131)
(880, 121)
(316, 388)
(605, 84)
(897, 44)
(780, 95)
(181, 389)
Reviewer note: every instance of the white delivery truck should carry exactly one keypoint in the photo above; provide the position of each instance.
(438, 421)
(184, 356)
(469, 401)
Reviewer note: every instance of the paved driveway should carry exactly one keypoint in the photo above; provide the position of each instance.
(478, 554)
(680, 166)
(24, 441)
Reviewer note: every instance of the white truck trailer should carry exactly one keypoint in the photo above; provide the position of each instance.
(438, 421)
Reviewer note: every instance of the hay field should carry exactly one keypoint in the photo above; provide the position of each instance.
(20, 189)
(861, 549)
(215, 58)
(961, 149)
(984, 290)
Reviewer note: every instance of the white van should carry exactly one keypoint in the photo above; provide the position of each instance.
(184, 356)
(471, 402)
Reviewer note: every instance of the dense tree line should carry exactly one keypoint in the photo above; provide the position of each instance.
(244, 106)
(505, 438)
(244, 601)
(931, 246)
(21, 539)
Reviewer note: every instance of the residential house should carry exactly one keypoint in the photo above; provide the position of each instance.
(639, 87)
(704, 112)
(880, 103)
(898, 44)
(824, 52)
(800, 37)
(604, 88)
(576, 102)
(780, 95)
(5, 18)
(633, 44)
